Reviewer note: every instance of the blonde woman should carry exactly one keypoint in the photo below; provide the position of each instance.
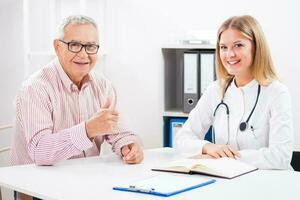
(248, 108)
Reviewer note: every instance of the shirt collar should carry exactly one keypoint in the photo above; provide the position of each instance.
(248, 86)
(67, 82)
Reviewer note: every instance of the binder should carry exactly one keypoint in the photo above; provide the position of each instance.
(175, 125)
(165, 184)
(190, 77)
(207, 70)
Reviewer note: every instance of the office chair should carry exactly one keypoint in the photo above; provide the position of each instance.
(4, 151)
(296, 161)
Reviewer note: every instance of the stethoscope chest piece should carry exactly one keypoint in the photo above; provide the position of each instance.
(243, 126)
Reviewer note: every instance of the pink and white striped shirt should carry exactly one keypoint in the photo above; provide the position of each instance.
(51, 114)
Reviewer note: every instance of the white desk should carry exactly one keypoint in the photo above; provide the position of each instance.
(93, 178)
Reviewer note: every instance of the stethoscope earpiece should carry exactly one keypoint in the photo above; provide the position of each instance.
(243, 126)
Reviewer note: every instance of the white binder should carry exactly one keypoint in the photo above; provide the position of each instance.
(207, 72)
(190, 85)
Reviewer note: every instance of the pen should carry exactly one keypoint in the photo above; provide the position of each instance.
(138, 189)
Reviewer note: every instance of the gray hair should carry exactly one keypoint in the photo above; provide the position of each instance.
(75, 19)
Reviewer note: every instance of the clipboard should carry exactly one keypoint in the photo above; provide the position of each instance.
(165, 185)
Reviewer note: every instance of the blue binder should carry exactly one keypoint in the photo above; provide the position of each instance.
(166, 184)
(176, 123)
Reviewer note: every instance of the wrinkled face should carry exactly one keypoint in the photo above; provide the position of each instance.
(77, 65)
(236, 53)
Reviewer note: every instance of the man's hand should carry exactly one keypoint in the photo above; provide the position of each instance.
(218, 151)
(132, 153)
(102, 122)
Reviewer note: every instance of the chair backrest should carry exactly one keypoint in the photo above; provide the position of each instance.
(296, 161)
(5, 135)
(4, 151)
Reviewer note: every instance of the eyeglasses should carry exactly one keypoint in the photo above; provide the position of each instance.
(76, 47)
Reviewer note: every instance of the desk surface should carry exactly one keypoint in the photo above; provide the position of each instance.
(93, 178)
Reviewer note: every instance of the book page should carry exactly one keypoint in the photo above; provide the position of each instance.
(222, 167)
(183, 165)
(192, 164)
(226, 167)
(187, 163)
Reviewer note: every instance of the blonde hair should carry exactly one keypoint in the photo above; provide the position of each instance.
(262, 65)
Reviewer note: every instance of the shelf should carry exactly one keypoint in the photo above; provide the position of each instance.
(175, 113)
(173, 55)
(189, 46)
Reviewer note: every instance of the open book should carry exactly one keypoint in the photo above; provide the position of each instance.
(222, 167)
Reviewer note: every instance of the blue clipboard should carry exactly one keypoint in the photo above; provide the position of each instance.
(166, 185)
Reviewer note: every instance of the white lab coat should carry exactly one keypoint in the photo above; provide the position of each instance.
(268, 145)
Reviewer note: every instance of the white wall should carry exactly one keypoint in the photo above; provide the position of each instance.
(11, 56)
(11, 70)
(136, 30)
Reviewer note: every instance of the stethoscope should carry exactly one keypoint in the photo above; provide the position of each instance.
(243, 125)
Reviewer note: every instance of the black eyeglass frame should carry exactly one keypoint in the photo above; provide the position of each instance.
(82, 46)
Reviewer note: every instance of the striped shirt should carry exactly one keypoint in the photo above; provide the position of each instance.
(50, 118)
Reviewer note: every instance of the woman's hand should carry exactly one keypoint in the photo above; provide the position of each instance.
(220, 150)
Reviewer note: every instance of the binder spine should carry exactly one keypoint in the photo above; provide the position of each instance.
(190, 70)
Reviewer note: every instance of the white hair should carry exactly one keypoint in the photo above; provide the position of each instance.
(75, 19)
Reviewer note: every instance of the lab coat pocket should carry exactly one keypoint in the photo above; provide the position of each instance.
(256, 137)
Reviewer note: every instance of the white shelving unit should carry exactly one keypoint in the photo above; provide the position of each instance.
(175, 113)
(173, 75)
(189, 46)
(173, 85)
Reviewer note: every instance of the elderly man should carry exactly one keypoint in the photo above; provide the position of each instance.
(65, 110)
